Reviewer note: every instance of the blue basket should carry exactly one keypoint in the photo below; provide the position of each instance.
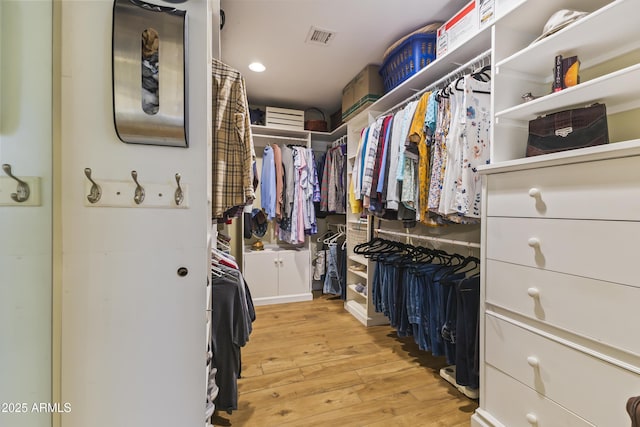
(415, 53)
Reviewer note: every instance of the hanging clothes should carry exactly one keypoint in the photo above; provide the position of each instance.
(232, 314)
(233, 150)
(418, 291)
(333, 186)
(422, 161)
(268, 183)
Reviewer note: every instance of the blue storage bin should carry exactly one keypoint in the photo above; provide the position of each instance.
(413, 54)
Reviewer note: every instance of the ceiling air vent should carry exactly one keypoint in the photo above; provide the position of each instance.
(320, 36)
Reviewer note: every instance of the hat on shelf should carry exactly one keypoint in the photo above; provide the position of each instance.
(559, 20)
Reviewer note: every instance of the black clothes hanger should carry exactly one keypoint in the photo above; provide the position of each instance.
(482, 74)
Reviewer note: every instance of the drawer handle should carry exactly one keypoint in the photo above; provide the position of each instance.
(533, 361)
(533, 292)
(532, 419)
(534, 192)
(534, 242)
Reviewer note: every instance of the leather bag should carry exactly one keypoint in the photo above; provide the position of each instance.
(568, 130)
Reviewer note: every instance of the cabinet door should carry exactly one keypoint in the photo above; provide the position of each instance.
(294, 273)
(261, 273)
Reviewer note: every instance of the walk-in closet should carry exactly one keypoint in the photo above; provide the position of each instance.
(296, 213)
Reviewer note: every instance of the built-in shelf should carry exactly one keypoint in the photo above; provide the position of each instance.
(298, 133)
(619, 91)
(360, 259)
(586, 40)
(437, 69)
(353, 288)
(360, 273)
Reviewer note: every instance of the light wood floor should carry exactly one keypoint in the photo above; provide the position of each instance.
(313, 364)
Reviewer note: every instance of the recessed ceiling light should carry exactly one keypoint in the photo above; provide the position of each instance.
(258, 67)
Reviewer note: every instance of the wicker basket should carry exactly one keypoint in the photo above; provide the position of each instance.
(315, 124)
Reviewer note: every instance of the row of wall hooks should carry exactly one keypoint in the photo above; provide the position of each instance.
(113, 193)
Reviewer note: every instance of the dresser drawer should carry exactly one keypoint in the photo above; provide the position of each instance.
(607, 189)
(603, 250)
(601, 311)
(581, 383)
(525, 407)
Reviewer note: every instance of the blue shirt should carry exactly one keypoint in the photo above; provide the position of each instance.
(268, 183)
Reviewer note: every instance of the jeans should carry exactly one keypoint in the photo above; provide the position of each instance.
(467, 351)
(449, 313)
(417, 306)
(331, 278)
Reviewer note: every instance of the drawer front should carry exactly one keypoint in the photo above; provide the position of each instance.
(607, 189)
(569, 302)
(524, 406)
(583, 384)
(603, 250)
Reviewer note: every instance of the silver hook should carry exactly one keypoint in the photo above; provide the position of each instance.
(178, 196)
(139, 196)
(96, 192)
(22, 190)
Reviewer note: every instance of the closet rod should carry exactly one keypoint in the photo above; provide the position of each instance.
(288, 138)
(429, 238)
(484, 55)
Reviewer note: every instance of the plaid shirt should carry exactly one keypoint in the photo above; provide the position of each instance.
(233, 151)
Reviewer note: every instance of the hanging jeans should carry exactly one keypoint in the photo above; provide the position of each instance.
(450, 312)
(332, 277)
(419, 312)
(467, 351)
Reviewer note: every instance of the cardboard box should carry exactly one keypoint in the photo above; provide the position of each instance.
(457, 30)
(284, 118)
(362, 91)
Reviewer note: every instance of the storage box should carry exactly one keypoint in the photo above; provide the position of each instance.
(284, 118)
(457, 30)
(363, 90)
(412, 55)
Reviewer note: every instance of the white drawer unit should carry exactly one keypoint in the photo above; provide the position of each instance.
(560, 287)
(560, 290)
(594, 309)
(578, 381)
(608, 189)
(598, 249)
(526, 406)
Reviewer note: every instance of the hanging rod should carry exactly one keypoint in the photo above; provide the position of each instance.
(429, 238)
(484, 55)
(288, 138)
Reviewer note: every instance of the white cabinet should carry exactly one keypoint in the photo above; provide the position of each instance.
(558, 293)
(278, 275)
(559, 280)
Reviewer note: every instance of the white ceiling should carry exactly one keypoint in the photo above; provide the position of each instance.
(301, 75)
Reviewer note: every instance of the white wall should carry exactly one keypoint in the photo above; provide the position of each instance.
(25, 232)
(133, 331)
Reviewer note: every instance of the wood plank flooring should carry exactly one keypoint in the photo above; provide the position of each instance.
(313, 364)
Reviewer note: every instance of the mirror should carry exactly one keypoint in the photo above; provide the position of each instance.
(26, 231)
